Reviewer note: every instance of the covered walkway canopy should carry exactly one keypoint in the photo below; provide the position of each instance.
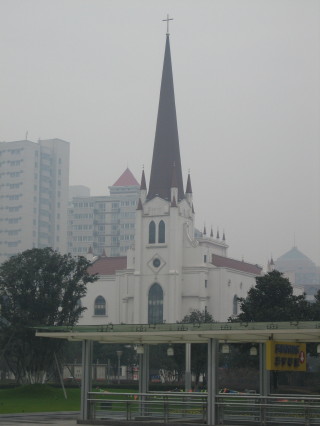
(210, 333)
(232, 332)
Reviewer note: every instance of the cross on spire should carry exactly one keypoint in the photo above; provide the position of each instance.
(167, 20)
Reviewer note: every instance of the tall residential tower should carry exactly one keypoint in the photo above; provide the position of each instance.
(34, 181)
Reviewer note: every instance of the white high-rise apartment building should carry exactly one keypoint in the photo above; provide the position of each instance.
(34, 182)
(106, 223)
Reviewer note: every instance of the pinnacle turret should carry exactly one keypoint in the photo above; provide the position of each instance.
(143, 184)
(189, 188)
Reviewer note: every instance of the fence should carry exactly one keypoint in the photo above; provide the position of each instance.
(166, 406)
(192, 407)
(272, 410)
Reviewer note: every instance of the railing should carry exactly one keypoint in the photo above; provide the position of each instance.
(192, 407)
(163, 406)
(272, 410)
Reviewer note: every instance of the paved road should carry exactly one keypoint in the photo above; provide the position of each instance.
(42, 419)
(61, 419)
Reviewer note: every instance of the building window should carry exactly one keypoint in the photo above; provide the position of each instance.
(235, 305)
(152, 232)
(205, 258)
(100, 306)
(162, 232)
(155, 304)
(206, 283)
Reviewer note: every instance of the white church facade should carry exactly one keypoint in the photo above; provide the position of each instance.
(172, 269)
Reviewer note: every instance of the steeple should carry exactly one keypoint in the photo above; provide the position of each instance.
(189, 188)
(166, 151)
(143, 185)
(188, 194)
(143, 188)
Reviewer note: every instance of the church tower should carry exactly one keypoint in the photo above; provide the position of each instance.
(164, 212)
(172, 269)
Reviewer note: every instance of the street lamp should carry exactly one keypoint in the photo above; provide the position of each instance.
(253, 351)
(225, 348)
(140, 350)
(119, 353)
(170, 351)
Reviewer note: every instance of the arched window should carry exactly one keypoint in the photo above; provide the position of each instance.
(155, 304)
(162, 232)
(100, 306)
(152, 232)
(235, 305)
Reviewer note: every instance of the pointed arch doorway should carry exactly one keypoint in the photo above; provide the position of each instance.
(155, 304)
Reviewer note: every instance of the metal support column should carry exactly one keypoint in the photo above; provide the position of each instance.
(143, 377)
(187, 377)
(264, 381)
(144, 370)
(213, 348)
(264, 373)
(86, 381)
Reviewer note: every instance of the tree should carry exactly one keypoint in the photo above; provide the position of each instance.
(107, 354)
(272, 299)
(198, 317)
(315, 307)
(199, 351)
(39, 287)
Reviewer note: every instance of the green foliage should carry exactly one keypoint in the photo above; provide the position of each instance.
(172, 367)
(197, 316)
(272, 299)
(315, 308)
(107, 354)
(43, 287)
(39, 287)
(199, 351)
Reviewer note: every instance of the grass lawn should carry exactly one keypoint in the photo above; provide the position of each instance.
(41, 398)
(38, 398)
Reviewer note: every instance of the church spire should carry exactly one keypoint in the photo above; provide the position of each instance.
(189, 188)
(166, 151)
(143, 185)
(143, 188)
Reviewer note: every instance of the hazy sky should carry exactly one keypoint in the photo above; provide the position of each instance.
(247, 85)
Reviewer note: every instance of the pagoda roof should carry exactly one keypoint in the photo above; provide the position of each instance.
(294, 254)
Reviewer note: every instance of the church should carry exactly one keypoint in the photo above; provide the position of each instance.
(172, 269)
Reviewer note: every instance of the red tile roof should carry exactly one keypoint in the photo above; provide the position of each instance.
(126, 179)
(108, 265)
(238, 265)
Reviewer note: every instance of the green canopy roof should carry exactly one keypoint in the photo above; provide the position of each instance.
(254, 332)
